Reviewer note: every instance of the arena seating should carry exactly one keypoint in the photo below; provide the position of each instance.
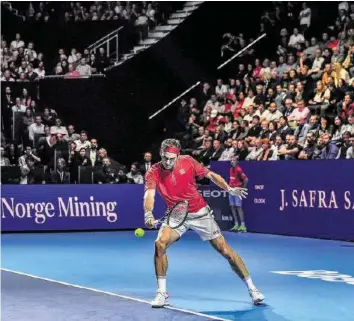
(294, 104)
(26, 61)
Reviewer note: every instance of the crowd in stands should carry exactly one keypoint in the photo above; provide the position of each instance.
(37, 148)
(297, 106)
(49, 11)
(21, 62)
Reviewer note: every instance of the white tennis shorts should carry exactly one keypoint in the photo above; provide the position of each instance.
(205, 227)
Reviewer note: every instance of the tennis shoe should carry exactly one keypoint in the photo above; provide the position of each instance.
(256, 296)
(160, 300)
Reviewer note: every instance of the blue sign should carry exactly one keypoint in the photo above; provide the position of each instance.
(73, 207)
(300, 198)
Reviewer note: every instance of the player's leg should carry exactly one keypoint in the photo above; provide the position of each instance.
(233, 209)
(219, 244)
(209, 230)
(165, 238)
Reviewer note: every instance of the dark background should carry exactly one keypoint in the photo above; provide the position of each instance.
(115, 109)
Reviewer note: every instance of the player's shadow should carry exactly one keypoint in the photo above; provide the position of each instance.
(260, 313)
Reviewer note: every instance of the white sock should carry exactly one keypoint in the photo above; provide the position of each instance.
(243, 223)
(250, 284)
(161, 284)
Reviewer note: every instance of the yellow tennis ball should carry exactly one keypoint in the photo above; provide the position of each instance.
(139, 232)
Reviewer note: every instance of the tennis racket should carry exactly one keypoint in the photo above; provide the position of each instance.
(176, 216)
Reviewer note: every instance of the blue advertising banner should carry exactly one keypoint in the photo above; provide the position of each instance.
(73, 207)
(309, 198)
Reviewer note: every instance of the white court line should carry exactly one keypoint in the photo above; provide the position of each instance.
(112, 294)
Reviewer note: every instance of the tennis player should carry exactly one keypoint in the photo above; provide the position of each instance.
(175, 179)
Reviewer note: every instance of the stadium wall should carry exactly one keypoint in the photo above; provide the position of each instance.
(310, 199)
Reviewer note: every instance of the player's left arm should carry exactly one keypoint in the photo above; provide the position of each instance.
(219, 181)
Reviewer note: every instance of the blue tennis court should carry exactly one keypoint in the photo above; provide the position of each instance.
(110, 276)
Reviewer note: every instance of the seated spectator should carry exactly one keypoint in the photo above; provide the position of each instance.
(241, 151)
(301, 112)
(83, 141)
(309, 147)
(350, 151)
(58, 128)
(60, 175)
(134, 176)
(272, 113)
(83, 68)
(36, 128)
(107, 174)
(4, 161)
(267, 152)
(291, 150)
(256, 151)
(28, 153)
(329, 151)
(72, 73)
(92, 151)
(228, 152)
(345, 145)
(36, 171)
(301, 131)
(217, 150)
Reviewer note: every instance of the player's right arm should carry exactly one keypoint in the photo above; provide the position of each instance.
(149, 198)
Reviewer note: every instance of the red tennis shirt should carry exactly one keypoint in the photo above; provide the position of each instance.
(237, 176)
(178, 184)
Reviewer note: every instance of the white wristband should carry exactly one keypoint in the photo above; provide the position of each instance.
(148, 216)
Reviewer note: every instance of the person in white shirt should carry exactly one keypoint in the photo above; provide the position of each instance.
(17, 43)
(272, 113)
(305, 17)
(220, 88)
(249, 99)
(296, 38)
(18, 108)
(36, 128)
(82, 142)
(228, 152)
(40, 70)
(316, 70)
(58, 128)
(134, 175)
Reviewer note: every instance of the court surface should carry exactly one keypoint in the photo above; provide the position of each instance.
(86, 276)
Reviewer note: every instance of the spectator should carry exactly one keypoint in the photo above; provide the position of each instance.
(83, 68)
(4, 161)
(82, 142)
(291, 150)
(36, 128)
(330, 151)
(146, 165)
(134, 176)
(60, 175)
(350, 151)
(309, 147)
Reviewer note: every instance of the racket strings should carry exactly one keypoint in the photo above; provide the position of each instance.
(178, 214)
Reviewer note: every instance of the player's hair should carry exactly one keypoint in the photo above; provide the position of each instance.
(170, 142)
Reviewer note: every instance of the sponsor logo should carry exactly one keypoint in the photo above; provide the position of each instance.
(69, 207)
(213, 193)
(259, 201)
(228, 218)
(316, 199)
(259, 187)
(328, 276)
(182, 171)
